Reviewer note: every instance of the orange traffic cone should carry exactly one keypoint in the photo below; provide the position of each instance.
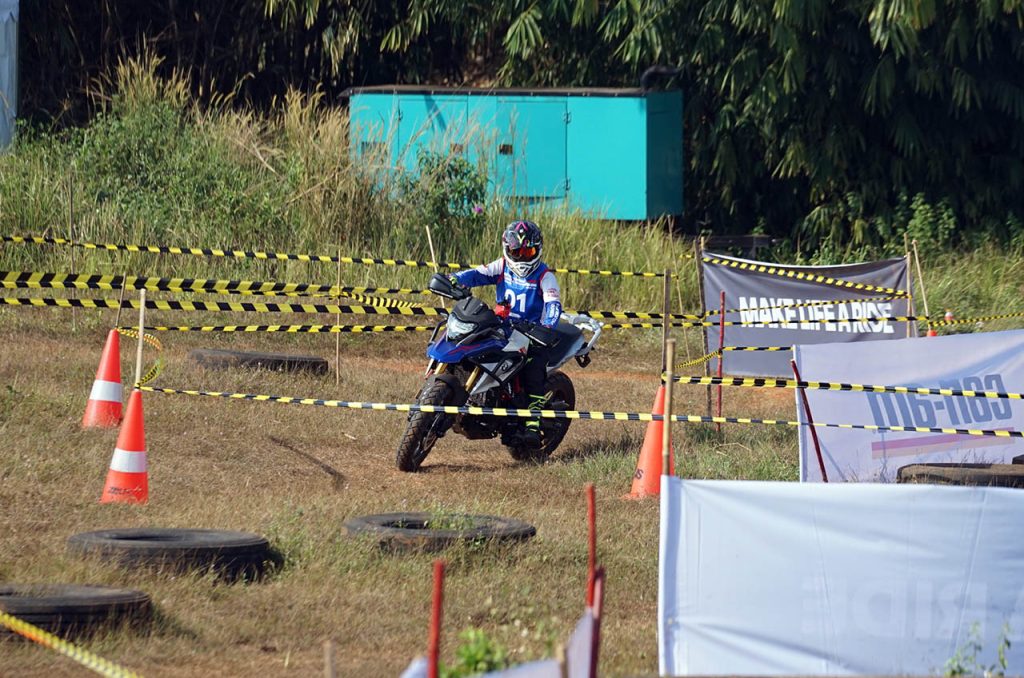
(104, 407)
(127, 480)
(647, 479)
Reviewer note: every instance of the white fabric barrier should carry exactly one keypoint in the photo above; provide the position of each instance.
(579, 652)
(989, 361)
(811, 579)
(418, 668)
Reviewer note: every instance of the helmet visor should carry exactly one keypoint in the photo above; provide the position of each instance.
(525, 253)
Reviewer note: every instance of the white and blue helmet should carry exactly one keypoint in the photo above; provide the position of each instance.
(521, 245)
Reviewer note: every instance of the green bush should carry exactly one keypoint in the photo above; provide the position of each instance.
(478, 653)
(445, 190)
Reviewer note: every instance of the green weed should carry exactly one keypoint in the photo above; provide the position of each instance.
(478, 653)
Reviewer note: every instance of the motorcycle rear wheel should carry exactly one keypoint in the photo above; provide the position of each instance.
(552, 431)
(420, 434)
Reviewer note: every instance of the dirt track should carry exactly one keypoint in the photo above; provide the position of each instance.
(295, 473)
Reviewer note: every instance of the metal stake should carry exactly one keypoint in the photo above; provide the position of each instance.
(810, 423)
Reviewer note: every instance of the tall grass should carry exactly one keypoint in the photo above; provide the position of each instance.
(155, 167)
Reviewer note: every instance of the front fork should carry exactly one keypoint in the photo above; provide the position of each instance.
(434, 367)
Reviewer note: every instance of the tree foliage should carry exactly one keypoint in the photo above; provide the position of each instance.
(811, 119)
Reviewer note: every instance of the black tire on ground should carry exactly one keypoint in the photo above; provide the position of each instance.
(232, 555)
(403, 532)
(1019, 459)
(281, 362)
(552, 431)
(991, 475)
(72, 609)
(420, 434)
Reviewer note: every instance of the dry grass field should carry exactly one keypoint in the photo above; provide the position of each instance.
(296, 473)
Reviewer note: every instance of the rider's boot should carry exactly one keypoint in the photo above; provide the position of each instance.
(531, 431)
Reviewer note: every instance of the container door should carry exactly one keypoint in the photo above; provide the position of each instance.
(373, 126)
(434, 123)
(531, 147)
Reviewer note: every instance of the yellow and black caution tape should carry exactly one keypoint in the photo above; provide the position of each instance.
(569, 414)
(406, 308)
(802, 304)
(42, 280)
(765, 382)
(102, 666)
(323, 258)
(824, 321)
(637, 315)
(158, 366)
(645, 326)
(715, 354)
(728, 323)
(699, 361)
(978, 319)
(654, 315)
(230, 306)
(799, 275)
(293, 329)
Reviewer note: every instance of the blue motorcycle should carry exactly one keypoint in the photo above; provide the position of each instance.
(475, 357)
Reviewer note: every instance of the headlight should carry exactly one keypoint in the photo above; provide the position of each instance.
(457, 328)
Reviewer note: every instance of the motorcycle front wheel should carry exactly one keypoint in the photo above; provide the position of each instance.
(424, 427)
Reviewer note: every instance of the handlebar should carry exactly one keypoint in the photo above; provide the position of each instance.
(445, 286)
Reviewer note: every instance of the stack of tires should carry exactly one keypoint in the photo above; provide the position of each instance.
(75, 610)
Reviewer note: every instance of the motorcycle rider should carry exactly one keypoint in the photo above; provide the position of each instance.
(527, 286)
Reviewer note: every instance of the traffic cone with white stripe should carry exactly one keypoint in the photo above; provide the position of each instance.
(647, 478)
(127, 480)
(104, 407)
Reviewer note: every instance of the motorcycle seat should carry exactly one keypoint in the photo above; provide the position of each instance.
(569, 341)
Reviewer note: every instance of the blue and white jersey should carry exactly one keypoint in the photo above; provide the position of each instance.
(536, 298)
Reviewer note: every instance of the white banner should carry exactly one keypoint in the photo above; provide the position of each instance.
(809, 579)
(990, 361)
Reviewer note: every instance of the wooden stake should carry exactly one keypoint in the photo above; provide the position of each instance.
(337, 337)
(679, 299)
(910, 285)
(142, 333)
(666, 429)
(721, 354)
(666, 321)
(920, 283)
(71, 235)
(698, 254)
(120, 300)
(433, 260)
(329, 671)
